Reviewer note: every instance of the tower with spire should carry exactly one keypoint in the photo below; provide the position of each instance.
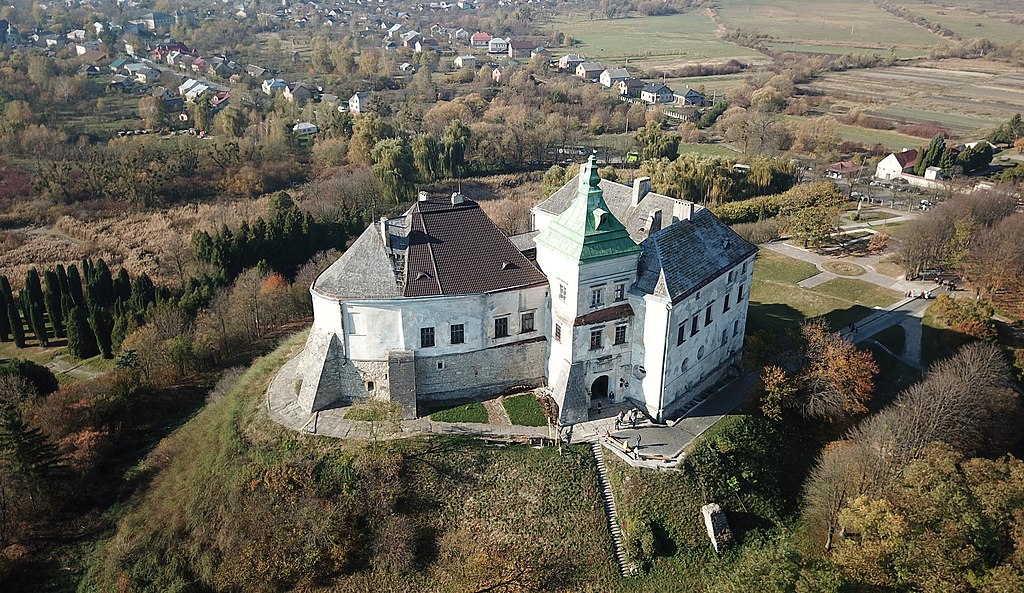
(590, 261)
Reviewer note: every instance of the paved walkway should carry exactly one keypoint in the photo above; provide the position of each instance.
(897, 284)
(662, 446)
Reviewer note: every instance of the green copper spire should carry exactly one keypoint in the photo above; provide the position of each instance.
(587, 231)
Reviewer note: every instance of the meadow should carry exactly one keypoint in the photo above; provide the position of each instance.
(850, 23)
(965, 22)
(683, 37)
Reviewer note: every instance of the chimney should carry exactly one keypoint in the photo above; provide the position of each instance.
(641, 186)
(422, 196)
(457, 198)
(384, 231)
(681, 211)
(653, 222)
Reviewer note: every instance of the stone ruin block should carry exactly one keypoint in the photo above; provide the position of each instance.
(717, 525)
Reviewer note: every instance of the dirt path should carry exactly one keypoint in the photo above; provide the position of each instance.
(61, 365)
(496, 413)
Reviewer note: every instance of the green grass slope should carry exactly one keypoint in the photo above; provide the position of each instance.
(236, 503)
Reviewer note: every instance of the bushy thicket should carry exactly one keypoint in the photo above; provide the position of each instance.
(822, 194)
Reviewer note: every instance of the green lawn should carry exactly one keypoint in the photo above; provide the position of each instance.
(613, 40)
(849, 22)
(372, 411)
(472, 412)
(778, 305)
(525, 410)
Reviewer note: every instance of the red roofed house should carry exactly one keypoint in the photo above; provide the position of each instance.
(479, 39)
(843, 170)
(897, 163)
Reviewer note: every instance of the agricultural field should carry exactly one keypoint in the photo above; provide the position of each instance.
(723, 84)
(965, 102)
(810, 48)
(843, 24)
(668, 40)
(966, 22)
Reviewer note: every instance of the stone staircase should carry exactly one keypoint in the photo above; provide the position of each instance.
(626, 567)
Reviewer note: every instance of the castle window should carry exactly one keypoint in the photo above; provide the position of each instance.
(620, 334)
(426, 337)
(501, 327)
(561, 292)
(700, 353)
(707, 316)
(686, 363)
(736, 327)
(744, 268)
(681, 334)
(369, 386)
(739, 293)
(595, 338)
(597, 297)
(558, 332)
(725, 336)
(440, 365)
(526, 322)
(458, 331)
(694, 327)
(726, 307)
(620, 292)
(732, 275)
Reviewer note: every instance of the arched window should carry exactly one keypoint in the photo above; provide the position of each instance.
(700, 353)
(686, 363)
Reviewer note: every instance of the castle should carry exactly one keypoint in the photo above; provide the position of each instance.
(618, 293)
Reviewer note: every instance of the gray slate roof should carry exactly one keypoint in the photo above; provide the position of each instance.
(363, 271)
(678, 259)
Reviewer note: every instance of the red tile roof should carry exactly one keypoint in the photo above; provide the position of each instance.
(623, 311)
(907, 158)
(456, 249)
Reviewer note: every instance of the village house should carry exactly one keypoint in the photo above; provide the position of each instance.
(496, 75)
(520, 49)
(612, 76)
(633, 297)
(273, 86)
(423, 45)
(589, 71)
(479, 39)
(655, 92)
(359, 102)
(568, 63)
(843, 170)
(465, 62)
(896, 164)
(158, 22)
(630, 88)
(299, 93)
(691, 97)
(497, 45)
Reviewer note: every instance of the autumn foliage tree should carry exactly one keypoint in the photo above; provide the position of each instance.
(837, 379)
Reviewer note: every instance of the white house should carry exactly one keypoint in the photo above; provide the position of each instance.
(634, 296)
(655, 92)
(305, 129)
(895, 164)
(612, 76)
(359, 102)
(272, 86)
(497, 45)
(465, 62)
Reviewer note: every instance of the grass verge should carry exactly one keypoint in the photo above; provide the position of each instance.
(473, 412)
(525, 410)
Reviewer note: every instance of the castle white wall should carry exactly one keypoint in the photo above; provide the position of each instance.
(326, 312)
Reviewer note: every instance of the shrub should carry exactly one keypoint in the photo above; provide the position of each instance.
(758, 232)
(822, 193)
(37, 375)
(972, 318)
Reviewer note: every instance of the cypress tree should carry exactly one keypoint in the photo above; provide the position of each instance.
(81, 342)
(62, 277)
(53, 298)
(103, 285)
(75, 286)
(17, 329)
(5, 289)
(34, 306)
(122, 286)
(5, 323)
(102, 326)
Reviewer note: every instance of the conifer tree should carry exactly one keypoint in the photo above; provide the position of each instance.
(17, 329)
(53, 309)
(75, 286)
(81, 343)
(5, 323)
(34, 306)
(102, 326)
(122, 286)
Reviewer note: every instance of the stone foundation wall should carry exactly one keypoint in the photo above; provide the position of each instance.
(481, 373)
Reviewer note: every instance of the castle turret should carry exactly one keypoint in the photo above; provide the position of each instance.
(590, 261)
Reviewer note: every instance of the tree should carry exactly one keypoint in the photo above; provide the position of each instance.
(81, 341)
(1018, 144)
(838, 378)
(202, 115)
(779, 389)
(53, 297)
(425, 153)
(394, 169)
(5, 322)
(813, 224)
(655, 143)
(153, 111)
(17, 328)
(453, 150)
(931, 156)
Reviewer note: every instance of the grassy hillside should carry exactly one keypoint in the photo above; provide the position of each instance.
(239, 504)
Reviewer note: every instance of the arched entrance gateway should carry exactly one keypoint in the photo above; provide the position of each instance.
(599, 388)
